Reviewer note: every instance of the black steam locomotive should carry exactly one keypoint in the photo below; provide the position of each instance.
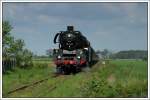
(74, 51)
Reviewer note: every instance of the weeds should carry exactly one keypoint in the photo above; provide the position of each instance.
(127, 81)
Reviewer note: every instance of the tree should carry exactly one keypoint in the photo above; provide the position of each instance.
(49, 52)
(6, 28)
(24, 58)
(131, 54)
(105, 53)
(7, 39)
(14, 48)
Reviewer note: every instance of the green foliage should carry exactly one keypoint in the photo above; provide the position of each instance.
(118, 79)
(42, 59)
(7, 38)
(145, 58)
(14, 48)
(130, 54)
(41, 65)
(20, 77)
(24, 58)
(6, 28)
(98, 88)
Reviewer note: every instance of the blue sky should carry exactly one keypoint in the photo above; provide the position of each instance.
(115, 26)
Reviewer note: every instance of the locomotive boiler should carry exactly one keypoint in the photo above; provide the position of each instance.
(74, 51)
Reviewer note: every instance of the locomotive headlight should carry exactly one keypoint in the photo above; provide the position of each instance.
(78, 57)
(86, 48)
(69, 35)
(59, 57)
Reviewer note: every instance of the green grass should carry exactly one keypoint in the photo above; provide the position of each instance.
(70, 87)
(117, 78)
(42, 60)
(19, 77)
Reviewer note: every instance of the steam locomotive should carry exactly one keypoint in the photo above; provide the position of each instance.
(74, 51)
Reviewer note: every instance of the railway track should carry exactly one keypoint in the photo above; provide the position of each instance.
(52, 87)
(55, 75)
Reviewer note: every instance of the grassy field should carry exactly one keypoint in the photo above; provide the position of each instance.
(117, 78)
(42, 60)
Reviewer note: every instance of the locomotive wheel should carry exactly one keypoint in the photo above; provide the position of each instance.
(78, 68)
(87, 67)
(59, 70)
(87, 64)
(66, 70)
(74, 69)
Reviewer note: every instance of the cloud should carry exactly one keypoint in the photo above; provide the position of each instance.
(106, 25)
(132, 11)
(48, 19)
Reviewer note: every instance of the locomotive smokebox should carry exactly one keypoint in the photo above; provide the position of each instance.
(70, 28)
(71, 39)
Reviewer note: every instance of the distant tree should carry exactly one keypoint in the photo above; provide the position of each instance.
(49, 52)
(105, 53)
(98, 52)
(131, 54)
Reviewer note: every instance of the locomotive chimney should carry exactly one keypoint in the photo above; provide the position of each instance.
(70, 28)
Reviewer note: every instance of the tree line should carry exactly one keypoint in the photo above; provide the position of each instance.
(131, 54)
(126, 54)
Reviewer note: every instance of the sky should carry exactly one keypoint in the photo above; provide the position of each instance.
(114, 26)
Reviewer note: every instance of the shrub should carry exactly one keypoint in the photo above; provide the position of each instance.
(100, 88)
